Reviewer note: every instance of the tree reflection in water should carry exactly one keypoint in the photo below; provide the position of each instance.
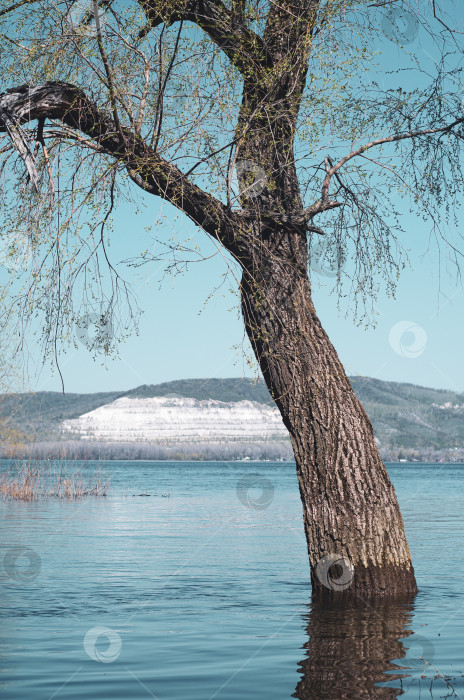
(351, 645)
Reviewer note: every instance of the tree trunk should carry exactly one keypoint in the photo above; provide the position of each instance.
(353, 525)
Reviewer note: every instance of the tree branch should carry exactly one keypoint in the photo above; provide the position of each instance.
(15, 6)
(392, 139)
(69, 104)
(226, 28)
(325, 203)
(244, 48)
(20, 144)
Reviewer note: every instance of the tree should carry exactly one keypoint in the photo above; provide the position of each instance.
(177, 95)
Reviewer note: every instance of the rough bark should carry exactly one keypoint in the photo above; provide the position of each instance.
(349, 504)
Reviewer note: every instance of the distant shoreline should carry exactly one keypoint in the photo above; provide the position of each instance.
(290, 462)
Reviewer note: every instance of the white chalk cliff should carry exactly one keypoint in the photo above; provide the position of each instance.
(163, 420)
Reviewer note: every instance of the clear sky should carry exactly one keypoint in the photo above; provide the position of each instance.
(182, 337)
(419, 336)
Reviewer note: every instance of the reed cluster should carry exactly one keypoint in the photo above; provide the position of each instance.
(31, 481)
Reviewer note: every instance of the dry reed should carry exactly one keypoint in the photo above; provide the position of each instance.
(31, 481)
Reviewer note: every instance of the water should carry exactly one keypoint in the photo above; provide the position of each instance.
(201, 591)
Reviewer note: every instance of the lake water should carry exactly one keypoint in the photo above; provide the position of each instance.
(201, 590)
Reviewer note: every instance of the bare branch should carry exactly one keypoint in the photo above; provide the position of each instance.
(19, 141)
(68, 103)
(244, 48)
(393, 139)
(16, 6)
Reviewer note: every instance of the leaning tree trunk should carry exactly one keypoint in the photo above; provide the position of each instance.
(353, 525)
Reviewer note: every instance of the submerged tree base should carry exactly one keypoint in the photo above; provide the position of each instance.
(363, 582)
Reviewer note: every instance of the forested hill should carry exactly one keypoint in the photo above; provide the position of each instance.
(403, 415)
(44, 410)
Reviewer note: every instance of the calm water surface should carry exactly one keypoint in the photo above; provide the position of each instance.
(199, 591)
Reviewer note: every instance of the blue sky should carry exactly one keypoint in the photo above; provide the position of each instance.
(182, 337)
(419, 336)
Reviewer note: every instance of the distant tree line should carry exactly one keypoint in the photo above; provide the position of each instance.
(199, 451)
(421, 454)
(185, 451)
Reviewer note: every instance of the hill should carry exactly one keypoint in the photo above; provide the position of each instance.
(410, 416)
(408, 420)
(40, 413)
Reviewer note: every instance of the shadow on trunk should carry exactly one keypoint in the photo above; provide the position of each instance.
(352, 644)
